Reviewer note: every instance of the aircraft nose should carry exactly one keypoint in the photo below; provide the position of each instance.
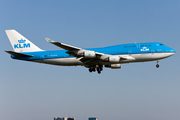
(173, 51)
(170, 52)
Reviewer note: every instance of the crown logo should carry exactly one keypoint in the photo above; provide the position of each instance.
(21, 41)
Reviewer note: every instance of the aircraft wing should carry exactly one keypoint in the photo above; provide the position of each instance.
(94, 57)
(70, 48)
(62, 45)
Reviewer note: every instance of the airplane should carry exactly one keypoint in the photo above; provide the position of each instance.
(92, 58)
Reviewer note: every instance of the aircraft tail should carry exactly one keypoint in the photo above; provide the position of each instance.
(20, 43)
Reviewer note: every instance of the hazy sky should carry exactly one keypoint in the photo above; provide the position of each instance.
(138, 91)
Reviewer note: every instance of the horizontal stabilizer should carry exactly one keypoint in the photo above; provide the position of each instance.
(19, 54)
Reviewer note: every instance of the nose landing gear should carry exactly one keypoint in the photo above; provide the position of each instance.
(157, 65)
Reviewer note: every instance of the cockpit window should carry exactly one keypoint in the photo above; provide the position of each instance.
(161, 44)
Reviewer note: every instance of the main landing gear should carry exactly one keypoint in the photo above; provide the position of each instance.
(99, 69)
(157, 65)
(92, 69)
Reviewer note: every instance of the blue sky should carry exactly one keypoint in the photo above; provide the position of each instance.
(138, 91)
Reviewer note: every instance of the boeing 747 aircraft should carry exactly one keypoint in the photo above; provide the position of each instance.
(93, 58)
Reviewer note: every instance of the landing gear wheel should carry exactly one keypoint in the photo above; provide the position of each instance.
(101, 69)
(98, 70)
(90, 70)
(157, 65)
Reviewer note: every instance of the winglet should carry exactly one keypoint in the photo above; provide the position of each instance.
(49, 40)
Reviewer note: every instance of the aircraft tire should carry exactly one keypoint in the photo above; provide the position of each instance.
(157, 65)
(99, 70)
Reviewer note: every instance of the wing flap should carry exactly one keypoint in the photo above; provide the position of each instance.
(89, 61)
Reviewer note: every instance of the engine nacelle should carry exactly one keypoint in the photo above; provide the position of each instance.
(114, 66)
(86, 54)
(112, 59)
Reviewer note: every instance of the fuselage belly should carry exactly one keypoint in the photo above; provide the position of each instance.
(76, 61)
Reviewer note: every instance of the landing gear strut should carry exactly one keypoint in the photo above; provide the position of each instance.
(157, 65)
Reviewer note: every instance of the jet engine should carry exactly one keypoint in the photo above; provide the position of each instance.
(114, 66)
(86, 54)
(112, 59)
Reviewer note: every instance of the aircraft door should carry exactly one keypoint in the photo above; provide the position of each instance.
(138, 45)
(152, 51)
(42, 58)
(130, 52)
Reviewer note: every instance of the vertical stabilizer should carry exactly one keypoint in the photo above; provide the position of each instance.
(20, 43)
